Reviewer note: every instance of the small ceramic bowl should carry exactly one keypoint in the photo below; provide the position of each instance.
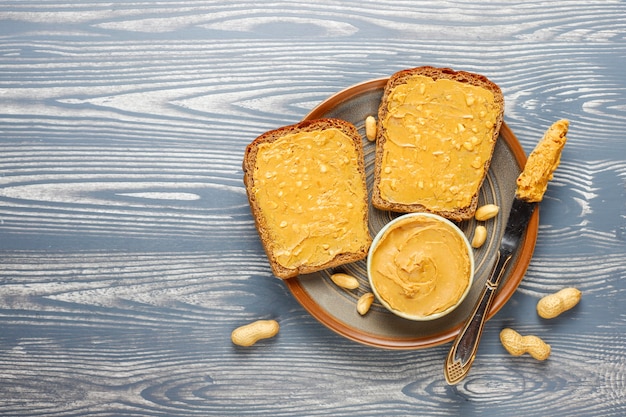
(420, 266)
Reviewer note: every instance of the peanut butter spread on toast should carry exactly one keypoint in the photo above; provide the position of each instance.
(312, 196)
(439, 135)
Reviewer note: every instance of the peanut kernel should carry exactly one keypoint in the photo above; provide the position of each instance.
(477, 163)
(468, 146)
(480, 236)
(364, 303)
(486, 212)
(370, 128)
(345, 281)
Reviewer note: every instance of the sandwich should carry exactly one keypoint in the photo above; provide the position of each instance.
(437, 130)
(307, 193)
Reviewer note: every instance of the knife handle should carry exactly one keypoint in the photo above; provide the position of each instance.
(465, 346)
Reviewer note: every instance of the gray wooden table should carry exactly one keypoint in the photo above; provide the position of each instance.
(128, 253)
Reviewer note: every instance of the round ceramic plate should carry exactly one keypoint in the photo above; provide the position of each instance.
(336, 308)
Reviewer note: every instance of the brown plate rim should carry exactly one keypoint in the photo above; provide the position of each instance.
(514, 277)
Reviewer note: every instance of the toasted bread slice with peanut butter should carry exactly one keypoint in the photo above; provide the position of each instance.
(437, 130)
(307, 193)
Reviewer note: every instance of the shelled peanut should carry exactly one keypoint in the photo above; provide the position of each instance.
(345, 281)
(364, 303)
(486, 212)
(480, 236)
(370, 128)
(483, 213)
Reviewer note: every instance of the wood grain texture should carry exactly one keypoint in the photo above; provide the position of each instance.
(127, 249)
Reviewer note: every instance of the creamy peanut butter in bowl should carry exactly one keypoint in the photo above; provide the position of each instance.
(420, 266)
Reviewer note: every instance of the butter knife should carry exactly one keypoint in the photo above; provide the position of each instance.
(464, 347)
(531, 185)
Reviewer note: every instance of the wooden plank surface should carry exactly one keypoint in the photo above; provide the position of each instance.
(128, 252)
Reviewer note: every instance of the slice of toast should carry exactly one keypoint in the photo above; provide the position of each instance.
(307, 193)
(437, 130)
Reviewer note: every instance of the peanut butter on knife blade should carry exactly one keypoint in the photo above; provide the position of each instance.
(542, 162)
(531, 185)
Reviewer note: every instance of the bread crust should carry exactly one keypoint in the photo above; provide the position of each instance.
(249, 162)
(401, 77)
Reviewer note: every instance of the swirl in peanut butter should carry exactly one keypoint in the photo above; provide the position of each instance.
(421, 266)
